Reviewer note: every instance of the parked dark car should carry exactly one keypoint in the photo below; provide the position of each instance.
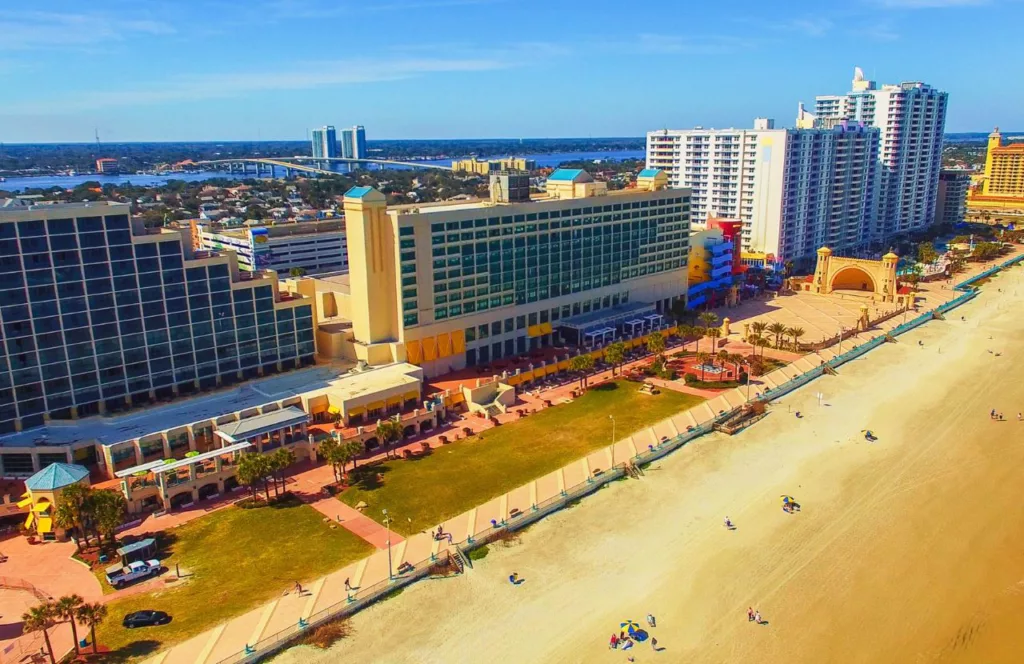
(145, 619)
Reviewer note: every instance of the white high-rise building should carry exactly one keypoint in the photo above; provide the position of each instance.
(795, 190)
(911, 118)
(325, 143)
(732, 173)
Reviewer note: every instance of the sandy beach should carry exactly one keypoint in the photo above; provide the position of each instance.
(908, 549)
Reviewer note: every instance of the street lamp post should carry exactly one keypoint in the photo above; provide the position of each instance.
(387, 524)
(612, 418)
(841, 330)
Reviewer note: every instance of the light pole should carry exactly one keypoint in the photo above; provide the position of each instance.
(387, 524)
(612, 418)
(841, 330)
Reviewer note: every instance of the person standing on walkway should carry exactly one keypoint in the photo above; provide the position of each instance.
(348, 586)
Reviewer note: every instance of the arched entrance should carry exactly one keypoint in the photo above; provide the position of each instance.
(853, 278)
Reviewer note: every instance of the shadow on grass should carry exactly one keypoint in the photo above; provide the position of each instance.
(605, 387)
(131, 652)
(367, 477)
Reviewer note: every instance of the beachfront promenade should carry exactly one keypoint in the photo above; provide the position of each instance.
(271, 626)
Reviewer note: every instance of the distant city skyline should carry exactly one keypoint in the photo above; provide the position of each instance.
(421, 69)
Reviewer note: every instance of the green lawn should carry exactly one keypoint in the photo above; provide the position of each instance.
(239, 559)
(424, 491)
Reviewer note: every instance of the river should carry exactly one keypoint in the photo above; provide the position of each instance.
(69, 181)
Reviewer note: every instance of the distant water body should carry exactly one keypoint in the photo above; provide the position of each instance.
(68, 182)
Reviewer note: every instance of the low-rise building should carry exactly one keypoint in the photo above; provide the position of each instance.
(487, 166)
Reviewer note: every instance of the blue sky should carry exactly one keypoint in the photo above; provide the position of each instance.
(270, 69)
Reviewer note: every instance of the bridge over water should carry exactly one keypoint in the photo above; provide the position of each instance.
(301, 164)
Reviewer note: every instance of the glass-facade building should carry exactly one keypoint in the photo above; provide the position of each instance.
(483, 282)
(98, 316)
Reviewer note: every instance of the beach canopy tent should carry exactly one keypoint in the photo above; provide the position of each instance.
(144, 549)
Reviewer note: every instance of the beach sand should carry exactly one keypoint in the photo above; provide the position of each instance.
(909, 549)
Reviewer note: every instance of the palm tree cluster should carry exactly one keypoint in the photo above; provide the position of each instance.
(255, 468)
(338, 454)
(615, 355)
(71, 609)
(759, 331)
(85, 511)
(389, 432)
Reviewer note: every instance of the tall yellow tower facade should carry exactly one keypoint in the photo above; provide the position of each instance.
(372, 256)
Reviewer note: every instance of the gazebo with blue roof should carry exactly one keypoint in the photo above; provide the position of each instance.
(42, 493)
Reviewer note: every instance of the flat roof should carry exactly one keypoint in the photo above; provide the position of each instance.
(199, 458)
(264, 423)
(602, 316)
(335, 379)
(535, 199)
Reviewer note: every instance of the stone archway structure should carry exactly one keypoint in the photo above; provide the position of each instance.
(875, 279)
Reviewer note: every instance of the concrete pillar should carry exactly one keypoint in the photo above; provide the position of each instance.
(195, 495)
(191, 440)
(138, 452)
(166, 444)
(193, 472)
(35, 463)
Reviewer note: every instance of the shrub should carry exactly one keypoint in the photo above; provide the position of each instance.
(326, 635)
(479, 553)
(691, 378)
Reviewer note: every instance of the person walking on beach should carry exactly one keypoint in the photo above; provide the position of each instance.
(1020, 417)
(757, 617)
(650, 620)
(613, 642)
(750, 614)
(654, 644)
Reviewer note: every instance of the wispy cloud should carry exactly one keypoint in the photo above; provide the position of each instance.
(301, 76)
(24, 30)
(812, 27)
(928, 4)
(883, 32)
(307, 9)
(681, 44)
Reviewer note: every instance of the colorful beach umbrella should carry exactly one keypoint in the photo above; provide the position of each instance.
(787, 499)
(629, 626)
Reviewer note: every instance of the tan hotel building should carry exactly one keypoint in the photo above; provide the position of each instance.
(447, 286)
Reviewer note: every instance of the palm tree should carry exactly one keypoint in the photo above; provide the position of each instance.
(758, 328)
(389, 431)
(709, 318)
(253, 468)
(40, 619)
(778, 329)
(66, 609)
(581, 364)
(656, 343)
(796, 333)
(91, 615)
(108, 507)
(712, 334)
(72, 510)
(328, 449)
(762, 343)
(723, 356)
(282, 458)
(702, 359)
(355, 448)
(615, 354)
